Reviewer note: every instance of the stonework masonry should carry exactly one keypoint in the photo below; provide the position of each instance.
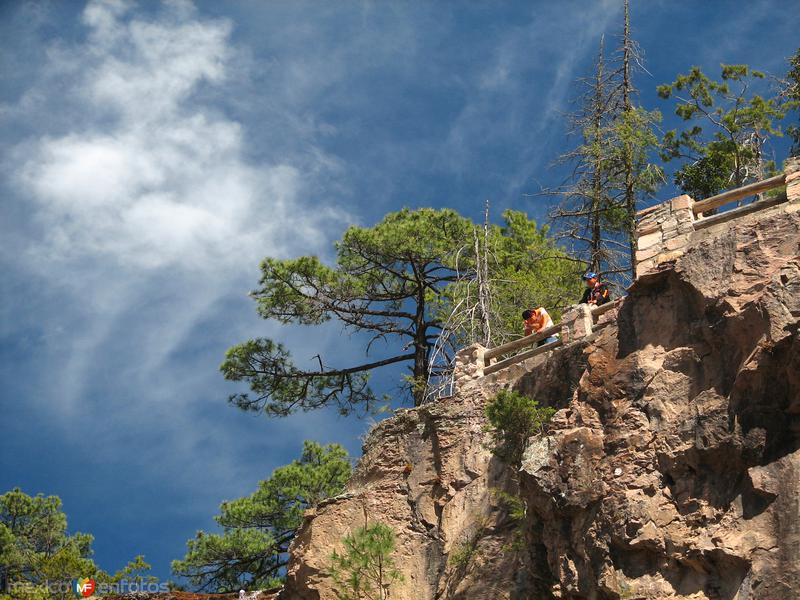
(665, 231)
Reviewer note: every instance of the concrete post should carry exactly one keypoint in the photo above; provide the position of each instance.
(576, 323)
(661, 231)
(469, 364)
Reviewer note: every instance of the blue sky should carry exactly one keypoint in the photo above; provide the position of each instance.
(154, 153)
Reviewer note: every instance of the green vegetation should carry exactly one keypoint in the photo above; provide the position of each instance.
(525, 269)
(41, 558)
(134, 574)
(514, 504)
(365, 569)
(611, 170)
(514, 418)
(516, 511)
(463, 552)
(589, 219)
(634, 139)
(728, 128)
(35, 546)
(789, 96)
(257, 529)
(399, 280)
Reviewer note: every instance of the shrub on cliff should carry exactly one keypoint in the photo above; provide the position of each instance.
(513, 419)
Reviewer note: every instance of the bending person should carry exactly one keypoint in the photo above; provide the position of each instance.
(536, 320)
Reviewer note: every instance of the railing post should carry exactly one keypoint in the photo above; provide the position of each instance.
(469, 364)
(792, 171)
(662, 231)
(576, 323)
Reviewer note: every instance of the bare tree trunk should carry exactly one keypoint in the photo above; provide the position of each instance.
(421, 349)
(627, 106)
(597, 179)
(482, 271)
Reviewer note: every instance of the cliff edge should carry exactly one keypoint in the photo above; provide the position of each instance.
(670, 470)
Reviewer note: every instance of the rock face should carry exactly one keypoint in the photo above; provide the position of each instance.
(428, 473)
(671, 469)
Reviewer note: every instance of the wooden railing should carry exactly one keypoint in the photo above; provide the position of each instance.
(492, 353)
(516, 345)
(521, 343)
(601, 310)
(702, 206)
(663, 233)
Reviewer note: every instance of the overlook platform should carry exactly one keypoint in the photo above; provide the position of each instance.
(664, 233)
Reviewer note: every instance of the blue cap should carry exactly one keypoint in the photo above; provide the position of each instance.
(590, 275)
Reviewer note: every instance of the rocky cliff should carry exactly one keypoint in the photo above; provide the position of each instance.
(671, 469)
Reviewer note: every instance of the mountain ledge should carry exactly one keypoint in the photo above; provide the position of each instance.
(670, 470)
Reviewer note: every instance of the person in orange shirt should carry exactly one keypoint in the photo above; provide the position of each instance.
(535, 321)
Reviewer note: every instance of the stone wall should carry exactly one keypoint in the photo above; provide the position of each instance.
(665, 231)
(663, 234)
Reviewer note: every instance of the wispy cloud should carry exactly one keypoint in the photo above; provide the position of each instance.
(143, 206)
(144, 213)
(521, 91)
(152, 180)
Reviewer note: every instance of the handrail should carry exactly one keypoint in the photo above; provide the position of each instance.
(713, 202)
(512, 360)
(604, 308)
(741, 211)
(528, 340)
(541, 335)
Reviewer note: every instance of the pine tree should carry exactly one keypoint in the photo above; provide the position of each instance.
(637, 177)
(587, 216)
(385, 284)
(365, 569)
(789, 99)
(514, 419)
(612, 171)
(627, 90)
(257, 529)
(728, 128)
(40, 558)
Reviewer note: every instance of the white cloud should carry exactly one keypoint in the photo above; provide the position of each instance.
(145, 217)
(159, 179)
